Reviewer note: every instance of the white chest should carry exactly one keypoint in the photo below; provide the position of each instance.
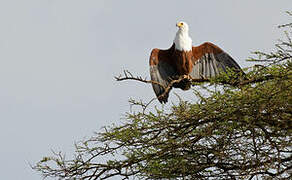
(183, 42)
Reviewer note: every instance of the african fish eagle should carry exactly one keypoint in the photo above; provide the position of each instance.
(199, 62)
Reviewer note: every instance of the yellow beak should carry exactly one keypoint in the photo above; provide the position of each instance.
(179, 24)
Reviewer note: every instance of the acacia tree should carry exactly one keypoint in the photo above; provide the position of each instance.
(240, 132)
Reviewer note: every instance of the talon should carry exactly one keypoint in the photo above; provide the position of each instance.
(189, 77)
(185, 76)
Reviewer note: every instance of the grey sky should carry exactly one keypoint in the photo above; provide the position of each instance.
(58, 59)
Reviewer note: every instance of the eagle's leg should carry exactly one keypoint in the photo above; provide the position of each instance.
(184, 83)
(188, 77)
(182, 77)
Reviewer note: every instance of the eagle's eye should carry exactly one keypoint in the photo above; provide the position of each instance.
(181, 23)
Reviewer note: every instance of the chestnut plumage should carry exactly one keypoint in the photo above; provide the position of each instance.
(204, 61)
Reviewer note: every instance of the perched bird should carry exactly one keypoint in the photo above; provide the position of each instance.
(200, 62)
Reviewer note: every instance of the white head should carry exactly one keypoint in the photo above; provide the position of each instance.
(182, 26)
(182, 40)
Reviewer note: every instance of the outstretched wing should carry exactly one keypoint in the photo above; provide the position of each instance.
(162, 70)
(209, 60)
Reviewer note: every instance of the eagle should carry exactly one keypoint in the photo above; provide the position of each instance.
(182, 59)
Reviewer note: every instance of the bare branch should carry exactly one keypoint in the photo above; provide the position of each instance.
(129, 76)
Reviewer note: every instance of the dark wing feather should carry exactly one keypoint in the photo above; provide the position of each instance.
(161, 71)
(209, 60)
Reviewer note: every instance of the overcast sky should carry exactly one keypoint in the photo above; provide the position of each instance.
(58, 59)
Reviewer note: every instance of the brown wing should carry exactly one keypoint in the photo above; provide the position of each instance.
(209, 60)
(162, 70)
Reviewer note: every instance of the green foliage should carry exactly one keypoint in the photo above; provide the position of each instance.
(241, 132)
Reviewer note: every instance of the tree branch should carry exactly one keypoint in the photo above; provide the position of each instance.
(236, 82)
